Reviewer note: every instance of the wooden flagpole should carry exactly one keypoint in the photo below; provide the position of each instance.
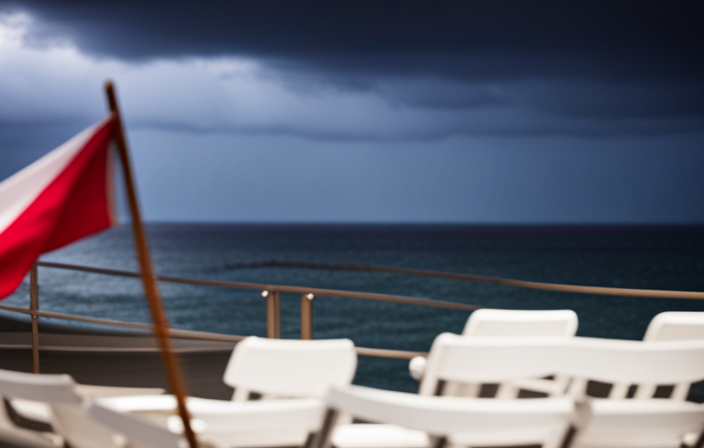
(161, 324)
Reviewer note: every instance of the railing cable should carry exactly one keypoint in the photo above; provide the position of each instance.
(276, 288)
(598, 290)
(197, 335)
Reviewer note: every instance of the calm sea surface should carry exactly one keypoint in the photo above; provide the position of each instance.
(629, 257)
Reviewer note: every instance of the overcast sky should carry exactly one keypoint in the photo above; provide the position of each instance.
(373, 111)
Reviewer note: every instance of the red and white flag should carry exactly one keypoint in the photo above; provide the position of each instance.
(62, 197)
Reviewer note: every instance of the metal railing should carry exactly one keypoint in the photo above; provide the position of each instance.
(558, 287)
(272, 294)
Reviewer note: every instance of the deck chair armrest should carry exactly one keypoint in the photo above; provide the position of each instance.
(90, 391)
(32, 410)
(218, 416)
(139, 403)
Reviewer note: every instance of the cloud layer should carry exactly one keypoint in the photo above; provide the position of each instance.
(376, 111)
(357, 71)
(476, 40)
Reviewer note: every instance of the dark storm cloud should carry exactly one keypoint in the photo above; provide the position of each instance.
(416, 69)
(623, 59)
(408, 111)
(482, 40)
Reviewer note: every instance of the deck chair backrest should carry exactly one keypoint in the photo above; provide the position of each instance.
(139, 431)
(290, 368)
(676, 326)
(621, 361)
(58, 389)
(487, 360)
(16, 436)
(68, 415)
(668, 326)
(462, 421)
(506, 323)
(455, 358)
(54, 388)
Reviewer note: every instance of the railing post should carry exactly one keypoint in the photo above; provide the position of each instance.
(307, 316)
(34, 306)
(277, 313)
(273, 314)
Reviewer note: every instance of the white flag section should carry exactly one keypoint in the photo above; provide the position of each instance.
(60, 198)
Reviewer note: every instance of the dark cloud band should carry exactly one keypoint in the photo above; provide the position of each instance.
(432, 69)
(469, 40)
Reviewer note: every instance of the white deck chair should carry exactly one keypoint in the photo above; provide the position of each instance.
(289, 368)
(68, 415)
(667, 326)
(280, 368)
(458, 421)
(644, 422)
(456, 358)
(605, 360)
(14, 435)
(461, 359)
(510, 323)
(274, 369)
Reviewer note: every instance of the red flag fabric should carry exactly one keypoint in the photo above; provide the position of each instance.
(62, 197)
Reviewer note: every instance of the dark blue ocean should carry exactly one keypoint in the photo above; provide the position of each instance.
(621, 256)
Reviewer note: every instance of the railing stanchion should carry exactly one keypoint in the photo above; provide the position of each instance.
(34, 306)
(273, 314)
(307, 316)
(277, 314)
